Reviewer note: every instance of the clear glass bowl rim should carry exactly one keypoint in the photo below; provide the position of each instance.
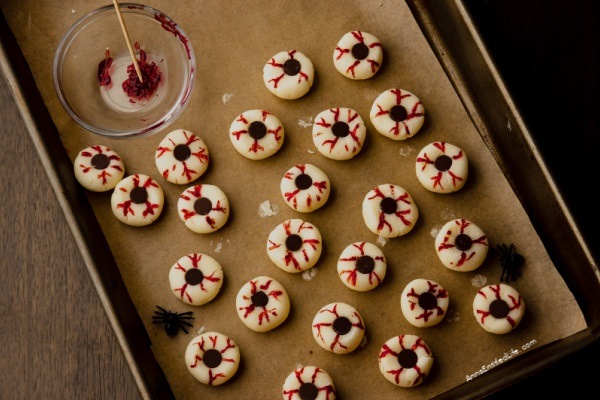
(160, 124)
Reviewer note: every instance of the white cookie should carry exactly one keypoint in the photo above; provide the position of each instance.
(308, 382)
(498, 308)
(98, 168)
(256, 134)
(203, 208)
(405, 360)
(397, 114)
(181, 157)
(461, 245)
(362, 266)
(212, 358)
(338, 327)
(262, 304)
(294, 245)
(289, 74)
(305, 188)
(358, 55)
(137, 200)
(424, 303)
(442, 167)
(339, 133)
(389, 211)
(196, 278)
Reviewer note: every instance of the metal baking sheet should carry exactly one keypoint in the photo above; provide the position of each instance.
(454, 40)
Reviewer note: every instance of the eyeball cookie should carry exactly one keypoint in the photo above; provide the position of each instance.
(137, 200)
(305, 188)
(461, 245)
(498, 308)
(424, 303)
(181, 157)
(405, 360)
(442, 167)
(256, 134)
(338, 327)
(389, 211)
(289, 74)
(98, 168)
(294, 245)
(203, 208)
(308, 382)
(262, 304)
(362, 266)
(358, 55)
(339, 133)
(397, 114)
(212, 358)
(196, 279)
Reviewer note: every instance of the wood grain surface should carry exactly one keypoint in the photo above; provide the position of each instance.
(56, 340)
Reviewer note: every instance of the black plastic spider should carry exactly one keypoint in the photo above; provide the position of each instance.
(511, 262)
(173, 321)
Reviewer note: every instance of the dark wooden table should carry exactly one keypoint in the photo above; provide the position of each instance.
(56, 340)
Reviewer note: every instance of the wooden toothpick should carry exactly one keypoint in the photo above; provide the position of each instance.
(126, 34)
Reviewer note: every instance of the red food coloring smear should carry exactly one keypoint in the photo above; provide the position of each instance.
(103, 67)
(132, 86)
(151, 76)
(171, 26)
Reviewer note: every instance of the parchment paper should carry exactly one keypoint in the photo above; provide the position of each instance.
(232, 41)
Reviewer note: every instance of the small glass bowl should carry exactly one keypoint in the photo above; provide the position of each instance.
(107, 110)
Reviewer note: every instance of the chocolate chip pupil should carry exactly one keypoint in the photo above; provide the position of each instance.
(407, 358)
(259, 299)
(463, 242)
(308, 391)
(388, 205)
(182, 152)
(293, 242)
(100, 161)
(303, 181)
(291, 67)
(499, 308)
(340, 129)
(257, 130)
(443, 163)
(342, 325)
(212, 358)
(360, 51)
(202, 206)
(138, 195)
(365, 264)
(398, 113)
(194, 276)
(427, 301)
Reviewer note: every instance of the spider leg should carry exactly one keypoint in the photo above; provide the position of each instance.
(162, 309)
(186, 317)
(183, 329)
(185, 314)
(185, 323)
